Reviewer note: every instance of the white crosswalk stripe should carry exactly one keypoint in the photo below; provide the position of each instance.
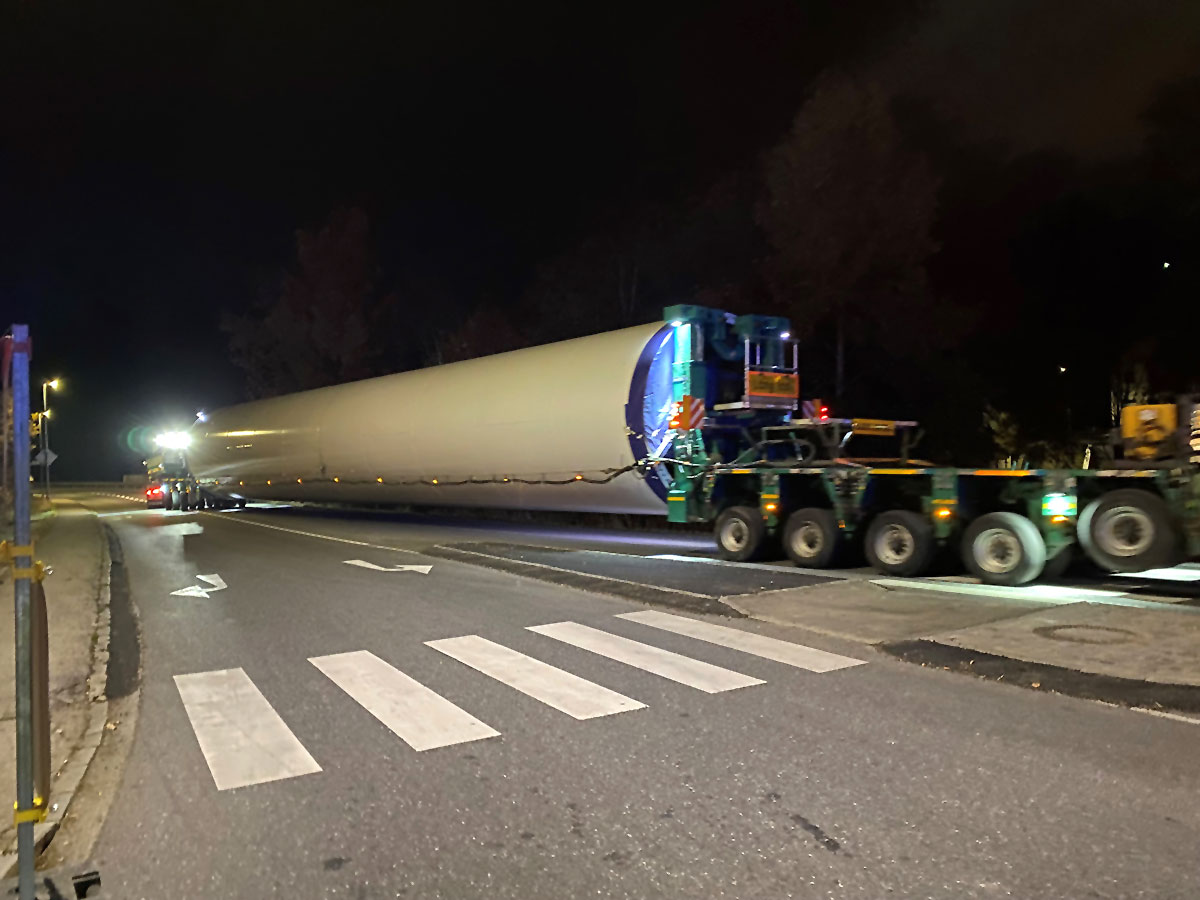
(561, 690)
(786, 652)
(683, 669)
(243, 739)
(420, 717)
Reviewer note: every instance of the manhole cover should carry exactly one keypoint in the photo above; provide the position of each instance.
(1086, 634)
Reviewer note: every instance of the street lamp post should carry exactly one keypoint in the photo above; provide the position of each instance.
(46, 386)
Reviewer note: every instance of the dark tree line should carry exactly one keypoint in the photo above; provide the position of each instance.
(1003, 299)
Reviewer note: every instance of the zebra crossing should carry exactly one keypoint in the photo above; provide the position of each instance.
(245, 741)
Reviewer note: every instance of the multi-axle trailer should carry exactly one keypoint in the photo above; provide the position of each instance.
(765, 478)
(699, 417)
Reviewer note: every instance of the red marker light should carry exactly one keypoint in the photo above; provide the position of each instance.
(824, 414)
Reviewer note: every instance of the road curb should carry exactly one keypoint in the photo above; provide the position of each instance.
(1146, 695)
(68, 778)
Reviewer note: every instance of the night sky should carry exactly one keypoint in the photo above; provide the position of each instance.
(156, 160)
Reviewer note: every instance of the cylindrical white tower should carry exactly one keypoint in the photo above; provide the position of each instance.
(556, 427)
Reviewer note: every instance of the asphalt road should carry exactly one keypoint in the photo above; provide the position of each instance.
(843, 774)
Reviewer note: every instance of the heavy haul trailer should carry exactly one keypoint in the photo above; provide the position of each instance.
(693, 417)
(792, 482)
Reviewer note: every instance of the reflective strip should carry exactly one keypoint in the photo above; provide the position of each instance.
(895, 471)
(683, 669)
(1008, 472)
(565, 692)
(756, 644)
(420, 717)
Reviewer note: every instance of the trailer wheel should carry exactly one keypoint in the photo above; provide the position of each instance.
(1004, 548)
(900, 542)
(810, 538)
(740, 533)
(1128, 531)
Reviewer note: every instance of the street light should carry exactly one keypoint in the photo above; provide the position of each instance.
(51, 385)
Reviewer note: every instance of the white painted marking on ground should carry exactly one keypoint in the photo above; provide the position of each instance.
(1174, 717)
(786, 652)
(183, 529)
(243, 739)
(1046, 593)
(192, 590)
(1179, 574)
(683, 669)
(525, 562)
(1162, 714)
(1037, 593)
(232, 516)
(362, 563)
(420, 717)
(761, 567)
(565, 692)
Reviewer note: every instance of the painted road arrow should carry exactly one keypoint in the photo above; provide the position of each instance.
(216, 582)
(424, 570)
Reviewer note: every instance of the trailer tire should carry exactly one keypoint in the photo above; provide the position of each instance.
(900, 542)
(1129, 530)
(811, 538)
(1004, 548)
(740, 533)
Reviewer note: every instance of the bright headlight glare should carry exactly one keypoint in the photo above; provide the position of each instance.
(173, 440)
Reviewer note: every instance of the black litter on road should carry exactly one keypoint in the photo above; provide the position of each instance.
(697, 585)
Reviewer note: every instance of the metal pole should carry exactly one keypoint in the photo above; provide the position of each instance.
(4, 428)
(23, 563)
(45, 429)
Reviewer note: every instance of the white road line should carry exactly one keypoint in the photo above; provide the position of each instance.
(312, 534)
(683, 669)
(420, 717)
(565, 692)
(523, 562)
(1043, 593)
(1179, 574)
(1037, 593)
(243, 739)
(1174, 717)
(1161, 714)
(756, 644)
(760, 567)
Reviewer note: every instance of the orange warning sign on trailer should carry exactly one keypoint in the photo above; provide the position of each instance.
(772, 384)
(689, 413)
